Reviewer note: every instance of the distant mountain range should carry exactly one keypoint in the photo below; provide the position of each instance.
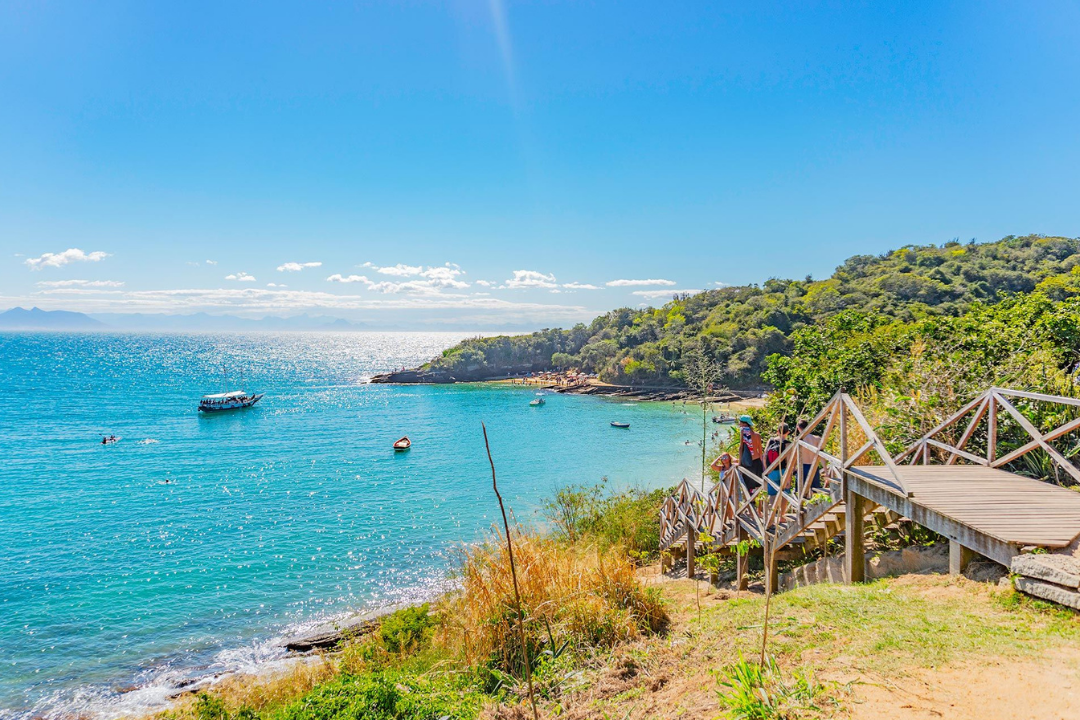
(38, 319)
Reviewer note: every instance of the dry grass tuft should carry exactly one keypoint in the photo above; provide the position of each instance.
(260, 692)
(579, 594)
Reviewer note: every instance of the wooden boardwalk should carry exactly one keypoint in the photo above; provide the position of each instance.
(1009, 510)
(940, 482)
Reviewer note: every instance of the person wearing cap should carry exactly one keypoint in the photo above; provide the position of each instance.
(750, 451)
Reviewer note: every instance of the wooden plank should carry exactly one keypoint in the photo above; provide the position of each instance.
(1025, 449)
(1015, 510)
(970, 428)
(944, 424)
(1059, 399)
(991, 428)
(993, 548)
(955, 451)
(1034, 432)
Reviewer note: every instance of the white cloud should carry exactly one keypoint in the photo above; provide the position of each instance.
(276, 285)
(431, 280)
(484, 283)
(399, 270)
(211, 262)
(531, 279)
(664, 293)
(198, 263)
(580, 286)
(241, 277)
(81, 283)
(721, 284)
(297, 267)
(60, 259)
(338, 277)
(261, 300)
(638, 283)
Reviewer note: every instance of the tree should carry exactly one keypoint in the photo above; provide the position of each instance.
(562, 360)
(702, 374)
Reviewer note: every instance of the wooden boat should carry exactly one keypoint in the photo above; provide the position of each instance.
(402, 445)
(616, 424)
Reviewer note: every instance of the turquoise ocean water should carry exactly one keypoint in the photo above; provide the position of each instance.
(196, 542)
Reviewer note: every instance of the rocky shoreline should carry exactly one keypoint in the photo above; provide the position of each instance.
(662, 393)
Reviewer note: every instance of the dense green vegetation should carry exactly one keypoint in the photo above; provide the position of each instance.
(910, 375)
(740, 327)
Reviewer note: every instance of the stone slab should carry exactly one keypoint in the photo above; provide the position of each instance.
(1048, 591)
(1061, 570)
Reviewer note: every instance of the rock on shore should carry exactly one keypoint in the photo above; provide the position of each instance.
(331, 634)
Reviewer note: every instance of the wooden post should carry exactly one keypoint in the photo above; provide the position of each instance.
(854, 515)
(854, 547)
(742, 563)
(772, 574)
(690, 540)
(959, 557)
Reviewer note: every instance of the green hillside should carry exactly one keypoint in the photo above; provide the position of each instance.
(740, 327)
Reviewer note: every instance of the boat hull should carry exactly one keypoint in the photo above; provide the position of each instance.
(225, 407)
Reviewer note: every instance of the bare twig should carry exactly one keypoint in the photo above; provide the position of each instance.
(513, 575)
(769, 559)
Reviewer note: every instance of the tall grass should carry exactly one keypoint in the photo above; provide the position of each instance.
(586, 595)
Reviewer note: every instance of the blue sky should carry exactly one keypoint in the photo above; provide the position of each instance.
(488, 162)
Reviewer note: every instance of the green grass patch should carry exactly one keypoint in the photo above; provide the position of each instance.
(888, 625)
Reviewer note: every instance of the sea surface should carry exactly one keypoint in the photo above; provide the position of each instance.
(193, 545)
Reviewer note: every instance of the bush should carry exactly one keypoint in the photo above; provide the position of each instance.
(406, 630)
(386, 695)
(628, 518)
(581, 594)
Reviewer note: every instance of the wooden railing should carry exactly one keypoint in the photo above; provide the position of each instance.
(986, 418)
(778, 505)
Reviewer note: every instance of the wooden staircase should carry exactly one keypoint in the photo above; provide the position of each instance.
(795, 511)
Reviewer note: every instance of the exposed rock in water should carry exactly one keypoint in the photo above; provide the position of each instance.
(415, 376)
(331, 634)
